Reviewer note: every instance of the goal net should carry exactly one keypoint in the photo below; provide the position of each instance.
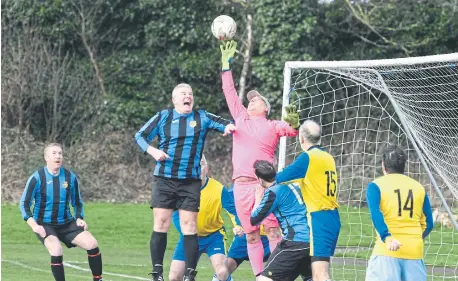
(364, 105)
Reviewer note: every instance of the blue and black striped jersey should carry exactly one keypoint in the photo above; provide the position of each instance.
(182, 137)
(286, 203)
(52, 196)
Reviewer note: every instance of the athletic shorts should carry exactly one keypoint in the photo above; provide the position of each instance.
(65, 232)
(324, 233)
(181, 194)
(212, 244)
(289, 260)
(238, 249)
(382, 268)
(244, 196)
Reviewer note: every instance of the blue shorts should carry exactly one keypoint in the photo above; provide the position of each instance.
(324, 233)
(382, 268)
(212, 244)
(238, 249)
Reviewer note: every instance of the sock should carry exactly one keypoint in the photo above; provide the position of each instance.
(256, 255)
(273, 244)
(94, 258)
(57, 268)
(157, 246)
(215, 278)
(191, 251)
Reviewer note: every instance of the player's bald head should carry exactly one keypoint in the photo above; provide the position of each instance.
(180, 87)
(203, 160)
(311, 132)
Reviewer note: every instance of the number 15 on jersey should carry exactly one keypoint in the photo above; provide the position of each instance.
(331, 184)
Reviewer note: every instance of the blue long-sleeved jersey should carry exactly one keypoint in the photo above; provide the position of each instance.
(287, 204)
(52, 196)
(182, 137)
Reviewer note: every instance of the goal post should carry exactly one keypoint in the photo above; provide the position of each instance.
(364, 105)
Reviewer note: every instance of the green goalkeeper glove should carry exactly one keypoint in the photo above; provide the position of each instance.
(292, 116)
(227, 53)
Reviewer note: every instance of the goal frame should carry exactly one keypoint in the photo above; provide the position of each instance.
(366, 65)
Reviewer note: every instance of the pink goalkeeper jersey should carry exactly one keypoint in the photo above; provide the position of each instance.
(256, 137)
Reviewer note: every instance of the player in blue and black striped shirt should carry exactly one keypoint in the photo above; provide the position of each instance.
(291, 257)
(52, 189)
(181, 134)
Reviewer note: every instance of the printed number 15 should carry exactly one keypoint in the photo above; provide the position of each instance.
(331, 183)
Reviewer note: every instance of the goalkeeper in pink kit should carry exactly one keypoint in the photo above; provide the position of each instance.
(255, 138)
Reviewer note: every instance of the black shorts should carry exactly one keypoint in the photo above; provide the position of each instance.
(288, 261)
(65, 232)
(181, 194)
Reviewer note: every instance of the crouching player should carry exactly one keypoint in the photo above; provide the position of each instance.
(52, 189)
(238, 252)
(210, 230)
(291, 257)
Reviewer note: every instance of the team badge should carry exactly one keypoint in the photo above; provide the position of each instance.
(65, 184)
(193, 124)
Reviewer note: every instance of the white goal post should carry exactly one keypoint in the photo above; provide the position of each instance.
(364, 105)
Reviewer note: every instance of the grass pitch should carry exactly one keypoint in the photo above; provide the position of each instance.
(123, 232)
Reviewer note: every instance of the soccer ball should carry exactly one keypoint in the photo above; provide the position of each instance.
(224, 27)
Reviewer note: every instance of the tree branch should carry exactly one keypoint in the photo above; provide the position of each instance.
(361, 17)
(246, 56)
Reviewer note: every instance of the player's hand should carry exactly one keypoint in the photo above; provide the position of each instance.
(228, 50)
(238, 230)
(158, 154)
(392, 244)
(81, 223)
(292, 116)
(40, 230)
(229, 129)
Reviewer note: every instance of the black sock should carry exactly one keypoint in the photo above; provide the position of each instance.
(94, 258)
(57, 268)
(157, 246)
(191, 251)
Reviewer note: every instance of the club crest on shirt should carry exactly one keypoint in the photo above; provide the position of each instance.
(193, 124)
(65, 184)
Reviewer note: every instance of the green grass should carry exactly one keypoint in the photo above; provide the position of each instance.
(123, 232)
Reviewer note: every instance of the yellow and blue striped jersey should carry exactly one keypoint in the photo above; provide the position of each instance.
(214, 196)
(399, 207)
(315, 171)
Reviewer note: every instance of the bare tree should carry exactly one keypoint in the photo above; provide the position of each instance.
(43, 87)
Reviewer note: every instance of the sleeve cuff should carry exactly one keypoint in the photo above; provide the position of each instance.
(384, 238)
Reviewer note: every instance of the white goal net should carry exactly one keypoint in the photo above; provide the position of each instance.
(364, 105)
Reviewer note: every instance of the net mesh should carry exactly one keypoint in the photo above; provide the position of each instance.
(358, 120)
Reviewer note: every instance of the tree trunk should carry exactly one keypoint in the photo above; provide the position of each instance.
(246, 57)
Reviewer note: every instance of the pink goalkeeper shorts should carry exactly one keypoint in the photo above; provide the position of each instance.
(244, 196)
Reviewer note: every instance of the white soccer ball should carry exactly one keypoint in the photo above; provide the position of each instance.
(224, 27)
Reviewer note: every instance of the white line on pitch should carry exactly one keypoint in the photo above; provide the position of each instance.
(38, 269)
(117, 264)
(106, 273)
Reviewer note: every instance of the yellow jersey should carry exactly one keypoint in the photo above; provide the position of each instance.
(315, 171)
(214, 196)
(400, 208)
